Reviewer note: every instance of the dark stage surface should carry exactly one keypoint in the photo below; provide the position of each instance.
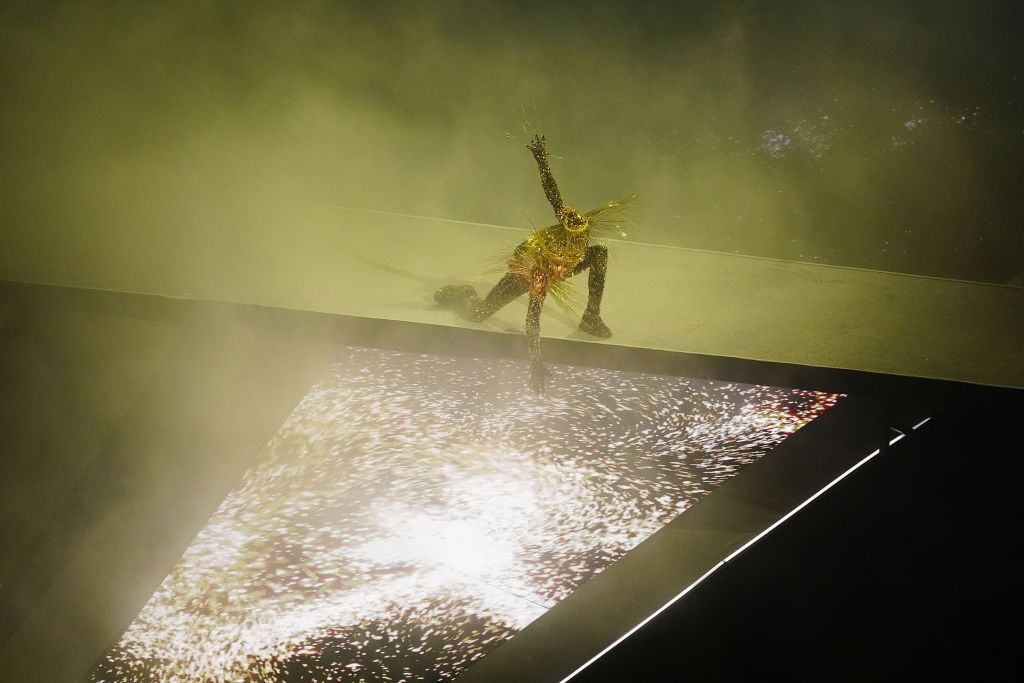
(114, 463)
(906, 570)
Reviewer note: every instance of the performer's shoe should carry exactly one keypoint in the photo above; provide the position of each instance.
(451, 296)
(591, 323)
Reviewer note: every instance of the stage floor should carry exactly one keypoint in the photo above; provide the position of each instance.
(240, 487)
(416, 511)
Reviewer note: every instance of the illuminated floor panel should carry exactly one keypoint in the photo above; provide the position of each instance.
(415, 511)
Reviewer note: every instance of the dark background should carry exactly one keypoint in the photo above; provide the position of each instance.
(883, 135)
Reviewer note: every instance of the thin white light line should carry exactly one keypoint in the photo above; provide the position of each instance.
(736, 552)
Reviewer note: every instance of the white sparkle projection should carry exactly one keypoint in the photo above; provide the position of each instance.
(415, 511)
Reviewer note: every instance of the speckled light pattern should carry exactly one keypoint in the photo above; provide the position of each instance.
(415, 511)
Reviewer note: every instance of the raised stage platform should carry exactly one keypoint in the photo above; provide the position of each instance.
(361, 263)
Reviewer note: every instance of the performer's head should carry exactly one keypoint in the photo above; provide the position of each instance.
(573, 221)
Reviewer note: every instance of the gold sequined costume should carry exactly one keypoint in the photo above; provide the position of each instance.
(541, 265)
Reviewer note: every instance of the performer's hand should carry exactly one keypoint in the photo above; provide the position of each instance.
(538, 377)
(538, 146)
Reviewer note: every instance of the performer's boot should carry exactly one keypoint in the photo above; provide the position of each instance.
(462, 299)
(591, 323)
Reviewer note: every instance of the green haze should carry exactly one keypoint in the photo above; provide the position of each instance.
(876, 135)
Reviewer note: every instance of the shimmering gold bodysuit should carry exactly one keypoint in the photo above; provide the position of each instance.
(541, 264)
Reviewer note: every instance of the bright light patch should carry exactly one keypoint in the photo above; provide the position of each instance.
(414, 512)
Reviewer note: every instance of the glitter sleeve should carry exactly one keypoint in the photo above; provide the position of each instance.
(547, 181)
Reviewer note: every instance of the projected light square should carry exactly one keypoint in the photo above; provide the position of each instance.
(415, 511)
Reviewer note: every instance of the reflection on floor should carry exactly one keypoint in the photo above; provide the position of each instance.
(415, 511)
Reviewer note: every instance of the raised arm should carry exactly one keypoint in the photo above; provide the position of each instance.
(538, 146)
